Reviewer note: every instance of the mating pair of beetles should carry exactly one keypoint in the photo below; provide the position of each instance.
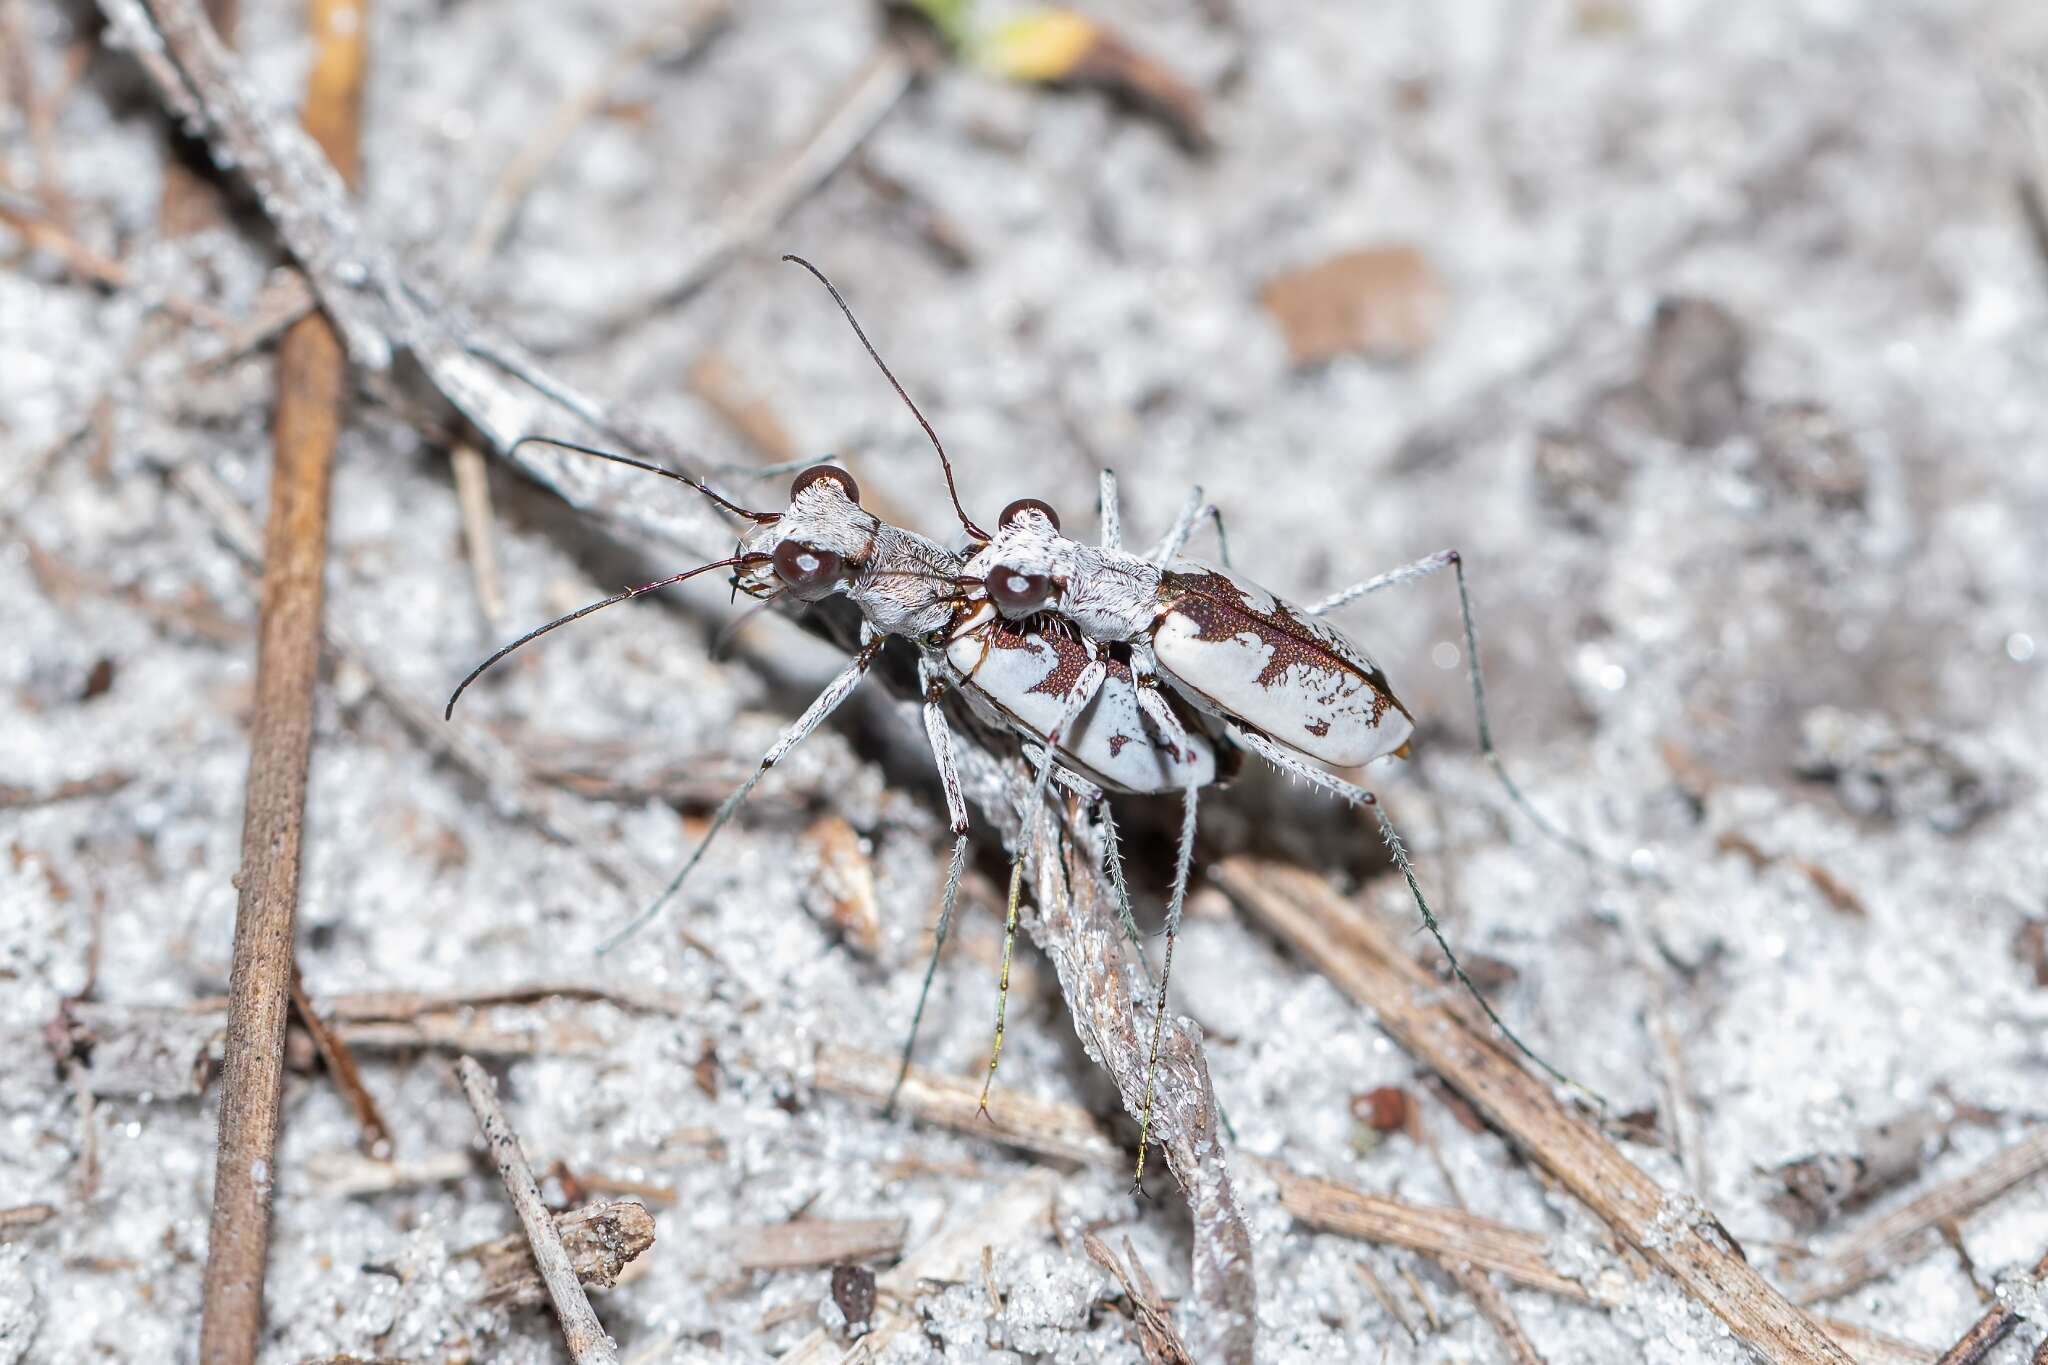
(1116, 671)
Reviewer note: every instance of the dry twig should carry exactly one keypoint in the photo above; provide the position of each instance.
(1914, 1229)
(373, 1134)
(588, 1344)
(312, 373)
(811, 1242)
(601, 1240)
(1493, 1306)
(1452, 1236)
(24, 1216)
(1156, 1335)
(1042, 1126)
(1671, 1230)
(1992, 1328)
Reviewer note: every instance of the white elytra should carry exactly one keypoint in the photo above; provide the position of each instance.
(1027, 676)
(1225, 644)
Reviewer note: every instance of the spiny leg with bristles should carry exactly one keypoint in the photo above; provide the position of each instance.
(1359, 796)
(1422, 568)
(1084, 690)
(941, 739)
(828, 701)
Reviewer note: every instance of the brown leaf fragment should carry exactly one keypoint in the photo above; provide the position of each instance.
(2030, 945)
(98, 680)
(1060, 47)
(1691, 381)
(843, 886)
(1384, 1110)
(1808, 450)
(601, 1239)
(853, 1290)
(1386, 303)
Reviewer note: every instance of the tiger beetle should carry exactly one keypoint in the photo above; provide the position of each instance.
(1082, 718)
(1280, 681)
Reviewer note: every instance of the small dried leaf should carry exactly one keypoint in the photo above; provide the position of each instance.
(844, 886)
(1386, 303)
(1040, 48)
(1384, 1110)
(853, 1290)
(601, 1241)
(1060, 47)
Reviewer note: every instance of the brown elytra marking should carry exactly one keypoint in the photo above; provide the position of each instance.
(1220, 611)
(1116, 744)
(1319, 728)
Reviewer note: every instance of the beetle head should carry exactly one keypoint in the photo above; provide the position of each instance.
(815, 546)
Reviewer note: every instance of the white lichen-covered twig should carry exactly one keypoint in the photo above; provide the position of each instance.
(588, 1342)
(1104, 986)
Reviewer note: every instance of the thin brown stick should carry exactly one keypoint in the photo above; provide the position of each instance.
(1990, 1329)
(42, 233)
(810, 1242)
(1493, 1306)
(1154, 1324)
(473, 496)
(1914, 1229)
(22, 1217)
(1018, 1120)
(1672, 1231)
(38, 113)
(1450, 1235)
(588, 1344)
(312, 376)
(373, 1135)
(1386, 1297)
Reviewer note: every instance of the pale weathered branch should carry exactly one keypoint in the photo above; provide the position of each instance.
(586, 1337)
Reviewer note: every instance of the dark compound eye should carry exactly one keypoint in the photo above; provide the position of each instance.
(1023, 505)
(1016, 593)
(826, 471)
(809, 572)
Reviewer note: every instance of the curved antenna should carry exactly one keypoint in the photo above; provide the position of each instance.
(582, 612)
(953, 490)
(759, 518)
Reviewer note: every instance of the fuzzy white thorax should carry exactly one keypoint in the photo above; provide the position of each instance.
(1109, 594)
(902, 583)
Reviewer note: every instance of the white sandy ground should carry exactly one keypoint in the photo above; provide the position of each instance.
(1838, 176)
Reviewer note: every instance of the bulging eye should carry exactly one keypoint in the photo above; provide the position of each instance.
(808, 571)
(1022, 505)
(1017, 593)
(826, 471)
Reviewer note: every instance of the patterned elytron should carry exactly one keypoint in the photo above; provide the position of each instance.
(1234, 649)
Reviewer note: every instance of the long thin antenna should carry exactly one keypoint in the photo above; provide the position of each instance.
(759, 518)
(582, 612)
(966, 522)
